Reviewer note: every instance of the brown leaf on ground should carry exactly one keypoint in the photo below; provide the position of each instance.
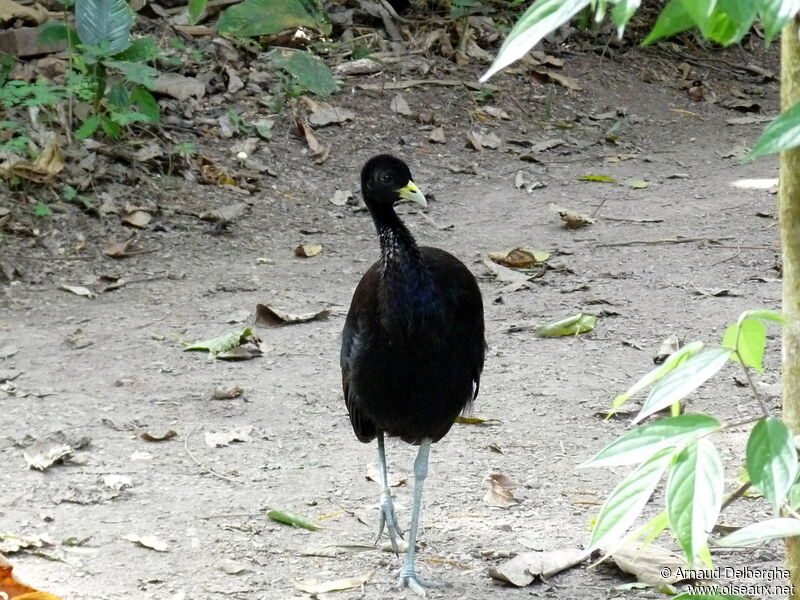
(437, 136)
(41, 454)
(148, 541)
(325, 114)
(149, 437)
(212, 172)
(49, 163)
(266, 316)
(545, 76)
(226, 213)
(572, 219)
(13, 589)
(314, 586)
(477, 140)
(649, 564)
(500, 492)
(519, 258)
(307, 250)
(221, 393)
(179, 86)
(524, 568)
(137, 218)
(123, 249)
(373, 474)
(400, 106)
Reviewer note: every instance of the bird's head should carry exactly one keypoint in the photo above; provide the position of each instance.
(386, 180)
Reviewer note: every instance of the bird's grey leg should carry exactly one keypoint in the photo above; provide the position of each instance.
(388, 518)
(408, 575)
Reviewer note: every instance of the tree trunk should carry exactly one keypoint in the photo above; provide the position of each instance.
(789, 201)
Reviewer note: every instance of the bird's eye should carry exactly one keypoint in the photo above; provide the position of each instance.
(385, 178)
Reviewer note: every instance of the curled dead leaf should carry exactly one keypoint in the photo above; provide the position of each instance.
(266, 316)
(149, 437)
(11, 587)
(42, 454)
(572, 219)
(519, 258)
(213, 173)
(48, 164)
(137, 218)
(314, 586)
(148, 541)
(79, 290)
(221, 393)
(524, 568)
(500, 492)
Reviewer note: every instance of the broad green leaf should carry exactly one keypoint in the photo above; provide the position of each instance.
(88, 127)
(673, 19)
(775, 14)
(794, 496)
(641, 443)
(638, 184)
(53, 31)
(106, 22)
(135, 72)
(763, 531)
(574, 325)
(751, 335)
(693, 373)
(267, 17)
(222, 343)
(293, 519)
(622, 13)
(694, 495)
(730, 22)
(543, 17)
(146, 103)
(42, 210)
(110, 128)
(600, 178)
(308, 70)
(653, 528)
(783, 133)
(143, 49)
(771, 459)
(195, 9)
(765, 314)
(674, 359)
(700, 12)
(628, 499)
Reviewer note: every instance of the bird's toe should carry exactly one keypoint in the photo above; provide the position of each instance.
(409, 578)
(388, 521)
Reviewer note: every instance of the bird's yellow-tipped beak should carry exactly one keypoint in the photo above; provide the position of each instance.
(411, 192)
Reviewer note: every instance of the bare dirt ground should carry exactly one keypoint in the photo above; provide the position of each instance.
(110, 368)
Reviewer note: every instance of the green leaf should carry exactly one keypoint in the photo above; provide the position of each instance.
(726, 28)
(674, 359)
(752, 340)
(195, 9)
(288, 518)
(143, 49)
(628, 499)
(673, 19)
(111, 128)
(308, 70)
(694, 495)
(693, 373)
(765, 314)
(782, 134)
(771, 459)
(622, 13)
(641, 443)
(88, 127)
(135, 72)
(580, 323)
(772, 529)
(794, 496)
(638, 184)
(543, 17)
(105, 22)
(600, 178)
(42, 210)
(125, 118)
(146, 103)
(53, 31)
(222, 343)
(775, 14)
(252, 18)
(700, 12)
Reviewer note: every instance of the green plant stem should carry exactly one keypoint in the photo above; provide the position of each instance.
(789, 220)
(764, 409)
(100, 80)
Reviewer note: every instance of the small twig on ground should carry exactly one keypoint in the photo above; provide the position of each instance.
(735, 495)
(200, 464)
(664, 241)
(633, 220)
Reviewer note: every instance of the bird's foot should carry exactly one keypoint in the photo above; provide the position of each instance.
(389, 522)
(409, 578)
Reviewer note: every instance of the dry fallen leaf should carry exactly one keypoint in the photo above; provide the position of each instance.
(49, 163)
(79, 290)
(524, 568)
(519, 258)
(221, 393)
(226, 213)
(149, 437)
(137, 218)
(477, 140)
(307, 250)
(41, 455)
(400, 106)
(148, 541)
(572, 219)
(500, 492)
(545, 76)
(516, 280)
(178, 86)
(341, 197)
(211, 172)
(314, 586)
(667, 348)
(10, 587)
(123, 249)
(374, 475)
(325, 114)
(266, 316)
(319, 151)
(437, 136)
(649, 563)
(219, 439)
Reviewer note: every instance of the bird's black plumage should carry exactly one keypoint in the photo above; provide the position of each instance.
(413, 341)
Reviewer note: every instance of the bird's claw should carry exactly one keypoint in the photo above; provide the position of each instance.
(389, 522)
(409, 578)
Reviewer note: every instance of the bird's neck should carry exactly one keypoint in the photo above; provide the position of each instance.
(401, 261)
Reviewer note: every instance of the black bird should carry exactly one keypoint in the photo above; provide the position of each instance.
(413, 343)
